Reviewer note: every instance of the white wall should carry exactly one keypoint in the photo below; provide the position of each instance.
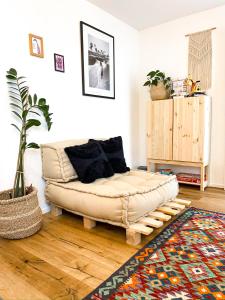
(75, 116)
(165, 47)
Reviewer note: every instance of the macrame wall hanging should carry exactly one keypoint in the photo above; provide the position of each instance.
(200, 57)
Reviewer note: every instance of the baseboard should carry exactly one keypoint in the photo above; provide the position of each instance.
(45, 209)
(221, 186)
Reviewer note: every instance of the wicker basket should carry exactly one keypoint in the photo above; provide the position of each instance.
(159, 92)
(19, 217)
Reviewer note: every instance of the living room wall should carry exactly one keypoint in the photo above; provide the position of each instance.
(75, 116)
(165, 47)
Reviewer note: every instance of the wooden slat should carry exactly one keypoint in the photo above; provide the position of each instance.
(159, 215)
(181, 201)
(168, 210)
(141, 228)
(175, 205)
(151, 222)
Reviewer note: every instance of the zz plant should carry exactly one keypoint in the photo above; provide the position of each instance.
(154, 77)
(27, 110)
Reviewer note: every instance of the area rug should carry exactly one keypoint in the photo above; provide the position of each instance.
(185, 261)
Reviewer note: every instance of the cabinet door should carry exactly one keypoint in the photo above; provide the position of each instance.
(188, 129)
(160, 127)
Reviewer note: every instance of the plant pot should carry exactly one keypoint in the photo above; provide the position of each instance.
(19, 217)
(159, 92)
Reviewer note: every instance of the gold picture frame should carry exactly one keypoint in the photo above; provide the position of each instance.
(36, 45)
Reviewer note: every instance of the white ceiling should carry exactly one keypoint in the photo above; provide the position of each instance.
(141, 14)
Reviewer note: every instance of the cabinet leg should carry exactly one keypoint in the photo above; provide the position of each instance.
(148, 166)
(202, 187)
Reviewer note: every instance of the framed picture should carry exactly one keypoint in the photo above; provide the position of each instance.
(36, 45)
(179, 87)
(59, 62)
(98, 62)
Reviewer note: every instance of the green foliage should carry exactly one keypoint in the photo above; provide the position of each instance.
(26, 110)
(154, 77)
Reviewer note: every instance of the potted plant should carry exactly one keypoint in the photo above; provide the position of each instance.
(160, 85)
(20, 214)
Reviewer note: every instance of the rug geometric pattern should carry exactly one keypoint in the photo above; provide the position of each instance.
(185, 261)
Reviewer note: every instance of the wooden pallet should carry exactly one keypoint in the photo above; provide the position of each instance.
(146, 225)
(155, 219)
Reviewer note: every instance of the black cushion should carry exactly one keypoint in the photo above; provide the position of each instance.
(89, 161)
(113, 149)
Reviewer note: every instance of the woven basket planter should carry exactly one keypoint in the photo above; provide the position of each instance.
(159, 92)
(19, 217)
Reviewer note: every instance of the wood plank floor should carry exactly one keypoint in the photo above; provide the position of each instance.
(64, 261)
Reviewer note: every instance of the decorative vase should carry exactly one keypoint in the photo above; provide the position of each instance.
(159, 92)
(19, 217)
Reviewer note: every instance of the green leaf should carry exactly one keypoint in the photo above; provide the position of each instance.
(146, 83)
(12, 71)
(35, 98)
(15, 105)
(24, 114)
(15, 98)
(32, 122)
(11, 83)
(12, 88)
(34, 112)
(22, 82)
(11, 77)
(30, 100)
(14, 125)
(33, 145)
(151, 74)
(16, 113)
(154, 82)
(41, 102)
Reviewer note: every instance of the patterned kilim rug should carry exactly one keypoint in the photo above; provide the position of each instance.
(185, 261)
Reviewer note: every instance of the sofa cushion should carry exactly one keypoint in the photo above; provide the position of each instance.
(113, 149)
(55, 162)
(89, 162)
(121, 199)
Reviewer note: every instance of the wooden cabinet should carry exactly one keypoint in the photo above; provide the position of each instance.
(160, 129)
(179, 132)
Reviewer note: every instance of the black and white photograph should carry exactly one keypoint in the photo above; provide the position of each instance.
(97, 52)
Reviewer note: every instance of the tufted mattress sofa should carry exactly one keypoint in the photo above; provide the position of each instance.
(121, 200)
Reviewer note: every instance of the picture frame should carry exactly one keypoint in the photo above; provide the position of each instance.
(36, 45)
(59, 63)
(179, 87)
(98, 62)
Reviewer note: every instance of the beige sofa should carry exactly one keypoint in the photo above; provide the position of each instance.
(124, 199)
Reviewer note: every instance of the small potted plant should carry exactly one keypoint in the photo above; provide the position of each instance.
(20, 214)
(160, 85)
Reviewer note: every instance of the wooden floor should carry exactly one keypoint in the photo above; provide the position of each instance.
(64, 261)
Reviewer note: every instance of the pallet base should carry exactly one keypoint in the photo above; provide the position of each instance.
(145, 225)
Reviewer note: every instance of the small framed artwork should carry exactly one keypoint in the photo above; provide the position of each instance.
(98, 62)
(59, 63)
(36, 45)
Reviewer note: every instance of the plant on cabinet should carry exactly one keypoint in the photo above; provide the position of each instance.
(160, 85)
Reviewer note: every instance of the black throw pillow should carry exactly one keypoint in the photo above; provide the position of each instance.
(89, 161)
(113, 149)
